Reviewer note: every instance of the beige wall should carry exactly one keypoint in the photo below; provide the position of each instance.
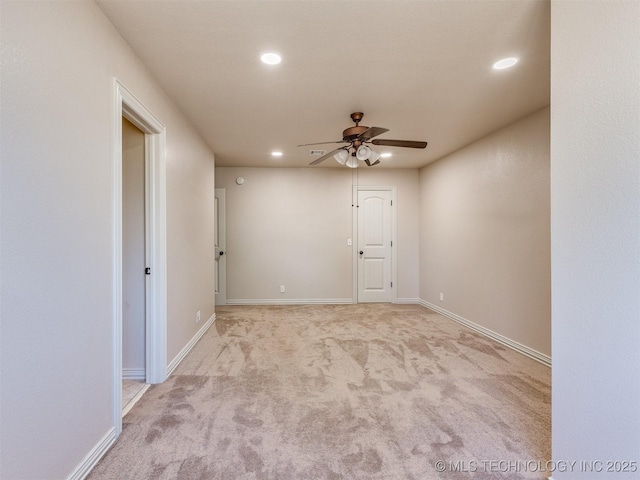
(59, 60)
(484, 232)
(133, 248)
(290, 227)
(595, 231)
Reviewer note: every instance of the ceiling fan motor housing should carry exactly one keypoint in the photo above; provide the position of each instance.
(352, 133)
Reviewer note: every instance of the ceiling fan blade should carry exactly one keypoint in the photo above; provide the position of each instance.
(398, 143)
(328, 155)
(372, 132)
(320, 143)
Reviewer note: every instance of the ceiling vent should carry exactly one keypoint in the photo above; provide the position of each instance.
(317, 153)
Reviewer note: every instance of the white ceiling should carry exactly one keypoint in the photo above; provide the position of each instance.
(420, 68)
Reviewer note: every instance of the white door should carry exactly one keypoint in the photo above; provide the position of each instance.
(374, 246)
(220, 247)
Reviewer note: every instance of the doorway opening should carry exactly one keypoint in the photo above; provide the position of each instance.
(134, 262)
(139, 248)
(220, 247)
(374, 228)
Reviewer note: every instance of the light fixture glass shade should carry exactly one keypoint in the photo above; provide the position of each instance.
(341, 156)
(363, 152)
(373, 156)
(352, 162)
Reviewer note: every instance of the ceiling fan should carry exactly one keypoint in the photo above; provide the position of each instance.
(357, 149)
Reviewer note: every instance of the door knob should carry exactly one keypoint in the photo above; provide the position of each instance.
(361, 252)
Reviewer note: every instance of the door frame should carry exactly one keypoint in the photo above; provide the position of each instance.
(394, 239)
(128, 106)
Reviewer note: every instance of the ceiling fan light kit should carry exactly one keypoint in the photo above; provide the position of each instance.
(363, 152)
(352, 162)
(341, 156)
(357, 139)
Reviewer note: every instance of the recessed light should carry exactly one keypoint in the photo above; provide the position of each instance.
(276, 154)
(505, 63)
(385, 155)
(271, 58)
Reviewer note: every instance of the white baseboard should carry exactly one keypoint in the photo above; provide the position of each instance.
(293, 301)
(187, 348)
(518, 347)
(408, 301)
(94, 456)
(134, 374)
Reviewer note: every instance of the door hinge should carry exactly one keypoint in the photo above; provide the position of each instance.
(392, 243)
(391, 284)
(392, 203)
(147, 271)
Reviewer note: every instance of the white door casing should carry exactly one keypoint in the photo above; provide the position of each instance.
(128, 106)
(220, 247)
(374, 239)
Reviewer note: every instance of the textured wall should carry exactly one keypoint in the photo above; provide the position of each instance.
(287, 227)
(595, 231)
(59, 60)
(484, 232)
(290, 227)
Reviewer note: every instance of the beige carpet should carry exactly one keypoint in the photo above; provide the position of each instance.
(366, 391)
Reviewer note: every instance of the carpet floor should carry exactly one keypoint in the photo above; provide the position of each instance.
(367, 391)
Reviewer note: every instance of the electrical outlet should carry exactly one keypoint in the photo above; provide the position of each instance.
(281, 288)
(198, 316)
(441, 297)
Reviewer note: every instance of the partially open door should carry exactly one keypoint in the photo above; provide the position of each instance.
(220, 247)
